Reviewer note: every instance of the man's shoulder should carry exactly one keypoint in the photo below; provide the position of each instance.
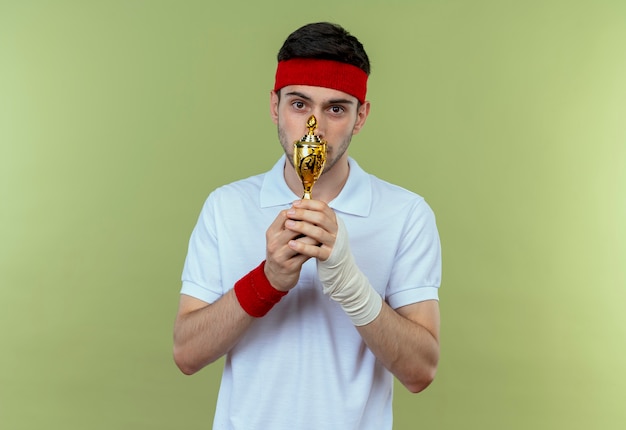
(381, 192)
(251, 184)
(242, 191)
(385, 191)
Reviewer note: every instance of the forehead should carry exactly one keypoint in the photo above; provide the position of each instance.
(317, 94)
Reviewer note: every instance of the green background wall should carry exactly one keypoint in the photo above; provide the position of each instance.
(118, 117)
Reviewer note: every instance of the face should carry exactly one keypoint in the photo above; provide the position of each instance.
(338, 115)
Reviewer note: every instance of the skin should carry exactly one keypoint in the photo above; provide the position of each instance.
(405, 340)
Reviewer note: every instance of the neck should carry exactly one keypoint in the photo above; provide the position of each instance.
(327, 187)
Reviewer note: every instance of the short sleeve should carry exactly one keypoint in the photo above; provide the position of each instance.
(416, 275)
(201, 272)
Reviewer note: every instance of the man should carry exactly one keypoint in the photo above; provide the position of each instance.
(316, 304)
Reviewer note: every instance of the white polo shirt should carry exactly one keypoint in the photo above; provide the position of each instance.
(304, 365)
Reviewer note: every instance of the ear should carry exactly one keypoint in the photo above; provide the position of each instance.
(274, 99)
(361, 117)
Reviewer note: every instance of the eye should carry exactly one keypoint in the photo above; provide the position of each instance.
(299, 105)
(337, 110)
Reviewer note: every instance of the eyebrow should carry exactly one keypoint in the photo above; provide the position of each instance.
(331, 101)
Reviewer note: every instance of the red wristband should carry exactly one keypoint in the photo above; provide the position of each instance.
(255, 293)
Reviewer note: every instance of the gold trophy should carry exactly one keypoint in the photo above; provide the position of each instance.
(309, 156)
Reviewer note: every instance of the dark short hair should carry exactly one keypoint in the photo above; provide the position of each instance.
(325, 41)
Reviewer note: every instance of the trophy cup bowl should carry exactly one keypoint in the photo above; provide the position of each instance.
(309, 157)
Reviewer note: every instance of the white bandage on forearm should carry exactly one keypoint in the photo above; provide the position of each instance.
(346, 284)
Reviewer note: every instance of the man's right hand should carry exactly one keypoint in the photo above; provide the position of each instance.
(283, 264)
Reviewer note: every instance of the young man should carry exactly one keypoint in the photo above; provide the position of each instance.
(318, 303)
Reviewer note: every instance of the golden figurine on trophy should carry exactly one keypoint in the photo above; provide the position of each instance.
(309, 156)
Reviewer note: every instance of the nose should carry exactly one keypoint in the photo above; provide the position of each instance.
(319, 129)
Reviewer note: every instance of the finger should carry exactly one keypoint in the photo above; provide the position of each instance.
(302, 228)
(309, 250)
(277, 238)
(315, 215)
(277, 235)
(315, 205)
(307, 240)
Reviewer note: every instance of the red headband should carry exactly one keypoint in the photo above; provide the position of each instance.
(322, 73)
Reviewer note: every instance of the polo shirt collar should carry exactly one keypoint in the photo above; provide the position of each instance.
(355, 198)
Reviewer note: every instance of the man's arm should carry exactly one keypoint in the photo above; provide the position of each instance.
(204, 332)
(405, 340)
